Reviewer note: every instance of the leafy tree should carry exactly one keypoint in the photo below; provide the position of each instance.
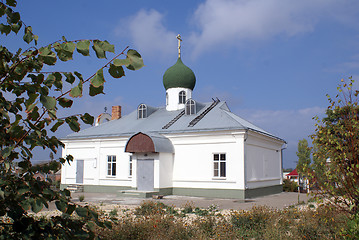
(336, 152)
(29, 101)
(303, 154)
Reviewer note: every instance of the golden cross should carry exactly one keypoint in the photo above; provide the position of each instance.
(179, 45)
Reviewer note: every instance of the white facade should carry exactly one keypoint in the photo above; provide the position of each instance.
(252, 161)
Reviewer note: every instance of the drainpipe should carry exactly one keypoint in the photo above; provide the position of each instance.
(281, 160)
(244, 161)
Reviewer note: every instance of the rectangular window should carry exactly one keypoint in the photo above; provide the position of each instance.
(111, 165)
(130, 166)
(219, 165)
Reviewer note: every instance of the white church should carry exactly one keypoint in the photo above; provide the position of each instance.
(185, 148)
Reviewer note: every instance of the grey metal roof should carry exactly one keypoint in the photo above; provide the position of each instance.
(218, 118)
(161, 143)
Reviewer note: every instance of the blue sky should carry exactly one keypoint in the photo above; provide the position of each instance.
(273, 61)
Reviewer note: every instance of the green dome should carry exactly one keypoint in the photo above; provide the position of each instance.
(179, 75)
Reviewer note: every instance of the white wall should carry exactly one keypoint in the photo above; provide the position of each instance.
(190, 167)
(165, 170)
(94, 153)
(263, 161)
(172, 103)
(193, 160)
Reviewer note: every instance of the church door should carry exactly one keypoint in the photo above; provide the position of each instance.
(80, 171)
(145, 178)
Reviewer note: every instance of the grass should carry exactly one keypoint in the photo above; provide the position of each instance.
(155, 220)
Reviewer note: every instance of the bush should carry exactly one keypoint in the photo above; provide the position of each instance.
(81, 198)
(154, 208)
(152, 220)
(251, 223)
(289, 186)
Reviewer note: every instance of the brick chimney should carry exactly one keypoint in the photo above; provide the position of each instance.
(116, 112)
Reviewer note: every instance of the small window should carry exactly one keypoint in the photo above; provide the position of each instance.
(190, 107)
(111, 165)
(182, 97)
(130, 166)
(142, 111)
(219, 165)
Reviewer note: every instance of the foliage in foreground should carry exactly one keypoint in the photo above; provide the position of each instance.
(335, 167)
(258, 223)
(29, 102)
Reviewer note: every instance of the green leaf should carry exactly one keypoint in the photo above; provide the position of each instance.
(58, 80)
(116, 72)
(70, 208)
(95, 90)
(25, 204)
(83, 47)
(2, 194)
(69, 47)
(36, 205)
(6, 151)
(82, 212)
(5, 29)
(64, 39)
(52, 114)
(65, 50)
(121, 62)
(13, 17)
(69, 77)
(30, 100)
(11, 3)
(76, 91)
(50, 80)
(65, 103)
(91, 226)
(136, 61)
(106, 46)
(98, 79)
(48, 102)
(28, 36)
(61, 206)
(79, 75)
(87, 118)
(16, 27)
(100, 53)
(47, 56)
(73, 123)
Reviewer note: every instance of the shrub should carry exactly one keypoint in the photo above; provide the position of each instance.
(289, 186)
(251, 223)
(154, 208)
(81, 198)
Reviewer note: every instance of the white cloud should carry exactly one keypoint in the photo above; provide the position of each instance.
(230, 22)
(149, 34)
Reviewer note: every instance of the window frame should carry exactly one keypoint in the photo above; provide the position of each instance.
(190, 107)
(111, 166)
(219, 165)
(182, 97)
(142, 111)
